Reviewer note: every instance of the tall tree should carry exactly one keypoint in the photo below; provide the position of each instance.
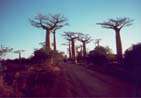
(71, 36)
(85, 39)
(19, 53)
(70, 51)
(48, 23)
(54, 37)
(117, 24)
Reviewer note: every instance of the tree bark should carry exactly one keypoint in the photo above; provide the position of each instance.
(84, 49)
(118, 45)
(73, 49)
(48, 41)
(70, 54)
(81, 50)
(54, 39)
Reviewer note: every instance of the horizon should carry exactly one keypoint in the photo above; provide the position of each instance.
(17, 32)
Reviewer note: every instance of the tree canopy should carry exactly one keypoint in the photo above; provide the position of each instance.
(49, 22)
(117, 23)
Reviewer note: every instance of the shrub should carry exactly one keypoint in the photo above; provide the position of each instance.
(97, 58)
(39, 56)
(99, 55)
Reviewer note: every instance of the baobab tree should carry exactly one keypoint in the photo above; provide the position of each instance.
(117, 24)
(85, 39)
(71, 36)
(48, 23)
(54, 37)
(97, 42)
(19, 53)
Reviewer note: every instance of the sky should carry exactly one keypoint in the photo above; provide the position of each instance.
(16, 31)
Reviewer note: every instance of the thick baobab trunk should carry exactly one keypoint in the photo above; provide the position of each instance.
(70, 54)
(73, 49)
(84, 49)
(48, 41)
(118, 46)
(54, 39)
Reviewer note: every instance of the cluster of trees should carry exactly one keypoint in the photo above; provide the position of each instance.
(71, 37)
(5, 50)
(115, 24)
(51, 23)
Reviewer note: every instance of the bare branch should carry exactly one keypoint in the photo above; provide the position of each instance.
(19, 51)
(84, 38)
(70, 35)
(49, 22)
(117, 23)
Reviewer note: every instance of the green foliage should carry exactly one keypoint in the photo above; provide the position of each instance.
(42, 55)
(103, 50)
(106, 51)
(100, 55)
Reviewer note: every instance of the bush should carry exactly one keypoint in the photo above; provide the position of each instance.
(39, 56)
(98, 56)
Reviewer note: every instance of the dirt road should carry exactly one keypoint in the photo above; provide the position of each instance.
(81, 82)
